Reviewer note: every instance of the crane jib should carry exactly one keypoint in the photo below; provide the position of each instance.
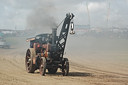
(64, 33)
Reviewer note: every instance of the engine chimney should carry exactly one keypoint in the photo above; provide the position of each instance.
(54, 30)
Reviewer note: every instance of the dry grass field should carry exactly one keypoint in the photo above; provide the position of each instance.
(92, 62)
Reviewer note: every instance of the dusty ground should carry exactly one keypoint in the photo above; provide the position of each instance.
(89, 68)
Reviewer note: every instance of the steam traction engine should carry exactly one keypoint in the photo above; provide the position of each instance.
(46, 50)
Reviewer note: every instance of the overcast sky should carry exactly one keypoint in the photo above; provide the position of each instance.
(15, 13)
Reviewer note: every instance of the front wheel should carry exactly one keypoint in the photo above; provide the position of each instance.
(65, 67)
(43, 66)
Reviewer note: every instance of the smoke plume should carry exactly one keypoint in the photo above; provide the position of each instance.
(42, 19)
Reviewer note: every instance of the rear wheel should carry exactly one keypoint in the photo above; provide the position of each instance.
(42, 66)
(52, 70)
(65, 67)
(30, 67)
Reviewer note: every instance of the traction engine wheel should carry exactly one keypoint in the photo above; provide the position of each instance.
(65, 67)
(30, 67)
(42, 68)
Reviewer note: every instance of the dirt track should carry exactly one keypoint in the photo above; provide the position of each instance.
(12, 72)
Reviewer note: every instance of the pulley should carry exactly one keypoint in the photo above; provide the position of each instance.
(72, 28)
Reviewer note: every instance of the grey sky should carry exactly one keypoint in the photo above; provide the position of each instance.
(16, 12)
